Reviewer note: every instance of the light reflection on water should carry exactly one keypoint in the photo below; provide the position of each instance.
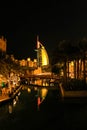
(10, 108)
(24, 114)
(12, 104)
(44, 92)
(41, 94)
(7, 108)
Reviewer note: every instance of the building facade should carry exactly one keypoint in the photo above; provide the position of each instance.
(3, 44)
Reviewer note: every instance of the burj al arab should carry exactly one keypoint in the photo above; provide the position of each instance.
(42, 56)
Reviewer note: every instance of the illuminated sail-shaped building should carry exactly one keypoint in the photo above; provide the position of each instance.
(42, 56)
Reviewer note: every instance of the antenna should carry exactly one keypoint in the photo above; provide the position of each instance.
(38, 45)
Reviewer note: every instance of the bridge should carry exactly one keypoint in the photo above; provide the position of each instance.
(42, 76)
(51, 82)
(55, 83)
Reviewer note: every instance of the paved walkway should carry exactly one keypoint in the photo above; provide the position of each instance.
(4, 97)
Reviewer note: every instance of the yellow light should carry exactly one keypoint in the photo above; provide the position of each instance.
(28, 59)
(29, 90)
(45, 60)
(43, 92)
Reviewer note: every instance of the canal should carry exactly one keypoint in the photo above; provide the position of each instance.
(42, 109)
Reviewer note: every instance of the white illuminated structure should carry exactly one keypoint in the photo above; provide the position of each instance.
(42, 56)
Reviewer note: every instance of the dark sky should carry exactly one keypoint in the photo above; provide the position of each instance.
(21, 22)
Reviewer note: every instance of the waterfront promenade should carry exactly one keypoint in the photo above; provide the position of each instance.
(6, 97)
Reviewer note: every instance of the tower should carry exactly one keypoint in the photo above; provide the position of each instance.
(42, 56)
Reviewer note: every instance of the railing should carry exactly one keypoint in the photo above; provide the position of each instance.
(41, 76)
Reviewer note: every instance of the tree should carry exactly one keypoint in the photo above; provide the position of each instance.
(65, 52)
(83, 49)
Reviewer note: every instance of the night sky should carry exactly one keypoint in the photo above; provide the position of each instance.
(21, 22)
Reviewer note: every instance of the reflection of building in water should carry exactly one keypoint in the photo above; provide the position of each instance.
(44, 93)
(41, 95)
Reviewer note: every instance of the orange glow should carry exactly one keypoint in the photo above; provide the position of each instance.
(3, 44)
(28, 59)
(38, 101)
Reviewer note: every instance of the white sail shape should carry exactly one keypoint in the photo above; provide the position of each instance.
(42, 56)
(45, 59)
